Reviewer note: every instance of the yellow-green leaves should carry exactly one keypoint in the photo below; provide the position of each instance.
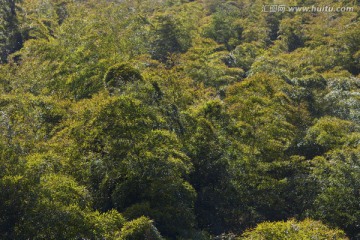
(292, 229)
(140, 228)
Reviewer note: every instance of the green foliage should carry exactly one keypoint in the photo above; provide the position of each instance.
(140, 228)
(118, 75)
(13, 194)
(290, 33)
(338, 176)
(169, 37)
(244, 55)
(202, 118)
(292, 229)
(12, 198)
(263, 111)
(206, 63)
(330, 132)
(342, 99)
(58, 210)
(153, 173)
(28, 120)
(10, 37)
(207, 150)
(106, 225)
(271, 182)
(225, 27)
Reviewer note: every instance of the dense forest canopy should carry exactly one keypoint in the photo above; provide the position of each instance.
(179, 119)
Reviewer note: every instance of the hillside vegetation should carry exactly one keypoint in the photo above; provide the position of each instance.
(178, 119)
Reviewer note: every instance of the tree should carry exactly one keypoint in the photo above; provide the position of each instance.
(153, 174)
(128, 162)
(207, 63)
(10, 36)
(330, 133)
(140, 228)
(292, 229)
(169, 37)
(338, 201)
(207, 148)
(272, 184)
(14, 191)
(225, 28)
(244, 55)
(117, 76)
(291, 33)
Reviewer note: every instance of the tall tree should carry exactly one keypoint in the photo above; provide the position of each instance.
(10, 37)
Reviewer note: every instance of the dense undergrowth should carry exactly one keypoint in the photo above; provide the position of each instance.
(175, 119)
